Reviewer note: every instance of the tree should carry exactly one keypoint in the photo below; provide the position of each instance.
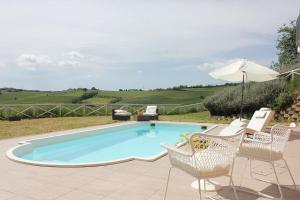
(286, 45)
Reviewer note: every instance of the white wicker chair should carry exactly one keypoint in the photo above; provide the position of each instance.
(267, 147)
(211, 156)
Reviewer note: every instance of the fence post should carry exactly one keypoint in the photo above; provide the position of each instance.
(84, 110)
(106, 110)
(59, 108)
(33, 111)
(6, 112)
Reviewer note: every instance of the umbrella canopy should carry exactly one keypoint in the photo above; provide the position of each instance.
(244, 70)
(251, 71)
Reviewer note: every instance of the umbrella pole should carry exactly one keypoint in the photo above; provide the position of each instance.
(242, 99)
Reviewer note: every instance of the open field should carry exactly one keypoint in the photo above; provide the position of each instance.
(182, 96)
(30, 97)
(37, 126)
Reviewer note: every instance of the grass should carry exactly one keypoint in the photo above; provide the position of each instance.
(183, 96)
(38, 126)
(29, 97)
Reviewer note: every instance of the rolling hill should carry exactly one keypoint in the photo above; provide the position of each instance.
(165, 96)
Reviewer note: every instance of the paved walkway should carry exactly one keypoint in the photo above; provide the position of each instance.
(134, 180)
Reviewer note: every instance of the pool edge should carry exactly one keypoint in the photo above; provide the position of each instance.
(12, 157)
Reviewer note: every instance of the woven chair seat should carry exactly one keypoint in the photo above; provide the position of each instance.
(262, 151)
(264, 146)
(204, 164)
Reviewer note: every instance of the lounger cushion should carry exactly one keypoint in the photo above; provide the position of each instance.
(260, 114)
(151, 110)
(230, 130)
(239, 123)
(120, 111)
(258, 123)
(123, 114)
(265, 109)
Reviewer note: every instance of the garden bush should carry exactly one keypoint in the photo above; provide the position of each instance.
(85, 96)
(268, 94)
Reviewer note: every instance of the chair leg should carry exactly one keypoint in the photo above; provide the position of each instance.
(233, 187)
(267, 181)
(243, 175)
(278, 185)
(167, 186)
(199, 189)
(290, 173)
(260, 193)
(231, 181)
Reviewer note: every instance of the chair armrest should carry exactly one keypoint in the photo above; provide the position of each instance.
(260, 137)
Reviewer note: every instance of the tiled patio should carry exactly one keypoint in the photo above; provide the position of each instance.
(134, 180)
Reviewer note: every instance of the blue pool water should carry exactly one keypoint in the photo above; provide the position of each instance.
(136, 140)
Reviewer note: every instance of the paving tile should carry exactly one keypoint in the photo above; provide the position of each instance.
(5, 195)
(79, 195)
(130, 180)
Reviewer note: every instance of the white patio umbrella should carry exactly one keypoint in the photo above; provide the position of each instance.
(244, 70)
(239, 71)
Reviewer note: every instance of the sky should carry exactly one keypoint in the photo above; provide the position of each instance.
(112, 44)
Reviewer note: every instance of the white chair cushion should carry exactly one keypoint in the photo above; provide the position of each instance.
(260, 114)
(239, 123)
(122, 112)
(259, 151)
(259, 124)
(230, 130)
(151, 110)
(218, 166)
(265, 109)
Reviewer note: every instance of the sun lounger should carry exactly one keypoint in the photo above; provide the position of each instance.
(260, 119)
(118, 114)
(151, 113)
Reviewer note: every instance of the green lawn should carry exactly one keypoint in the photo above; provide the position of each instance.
(38, 126)
(183, 96)
(28, 97)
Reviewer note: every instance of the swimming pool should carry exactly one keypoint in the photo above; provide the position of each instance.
(107, 145)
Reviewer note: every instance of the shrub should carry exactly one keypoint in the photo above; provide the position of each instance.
(283, 101)
(256, 95)
(86, 95)
(115, 100)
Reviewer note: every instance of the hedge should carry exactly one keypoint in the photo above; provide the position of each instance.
(272, 94)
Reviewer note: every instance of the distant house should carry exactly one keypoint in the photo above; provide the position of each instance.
(298, 33)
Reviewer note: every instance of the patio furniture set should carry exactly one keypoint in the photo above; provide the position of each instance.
(212, 156)
(151, 113)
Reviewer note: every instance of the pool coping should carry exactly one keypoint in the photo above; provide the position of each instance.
(15, 158)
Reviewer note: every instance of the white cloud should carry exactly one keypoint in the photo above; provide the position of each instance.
(31, 61)
(118, 38)
(2, 64)
(72, 58)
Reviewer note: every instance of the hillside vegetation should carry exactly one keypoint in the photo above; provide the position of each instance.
(162, 96)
